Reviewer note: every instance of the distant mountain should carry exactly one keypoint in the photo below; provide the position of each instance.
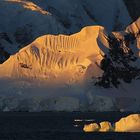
(24, 20)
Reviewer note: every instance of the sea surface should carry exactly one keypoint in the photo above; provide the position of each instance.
(58, 126)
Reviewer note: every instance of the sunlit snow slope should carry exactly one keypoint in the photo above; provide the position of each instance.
(61, 57)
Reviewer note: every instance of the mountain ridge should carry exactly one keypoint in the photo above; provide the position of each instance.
(65, 85)
(20, 21)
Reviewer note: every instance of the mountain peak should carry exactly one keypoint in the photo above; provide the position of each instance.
(30, 5)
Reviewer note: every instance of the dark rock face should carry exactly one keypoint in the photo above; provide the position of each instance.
(118, 64)
(133, 7)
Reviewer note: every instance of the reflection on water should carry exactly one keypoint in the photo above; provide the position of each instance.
(76, 125)
(78, 120)
(79, 123)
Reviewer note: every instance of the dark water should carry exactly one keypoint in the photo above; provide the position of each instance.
(58, 126)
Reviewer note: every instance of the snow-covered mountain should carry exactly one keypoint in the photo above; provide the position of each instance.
(58, 54)
(25, 20)
(58, 72)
